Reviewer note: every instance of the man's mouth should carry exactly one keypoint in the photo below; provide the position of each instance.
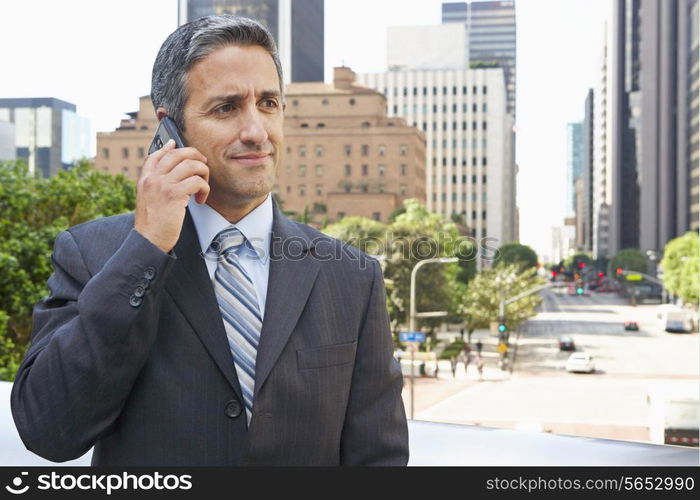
(252, 158)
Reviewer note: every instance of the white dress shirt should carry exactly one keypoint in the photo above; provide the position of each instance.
(254, 256)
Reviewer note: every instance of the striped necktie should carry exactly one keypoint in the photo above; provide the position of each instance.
(239, 308)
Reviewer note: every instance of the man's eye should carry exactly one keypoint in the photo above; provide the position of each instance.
(224, 108)
(269, 103)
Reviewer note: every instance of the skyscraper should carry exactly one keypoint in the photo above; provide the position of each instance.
(491, 36)
(574, 161)
(297, 27)
(48, 133)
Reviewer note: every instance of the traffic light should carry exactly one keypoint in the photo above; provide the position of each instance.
(502, 328)
(579, 290)
(618, 271)
(581, 265)
(600, 275)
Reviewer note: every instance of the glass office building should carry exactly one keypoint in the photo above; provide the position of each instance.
(297, 27)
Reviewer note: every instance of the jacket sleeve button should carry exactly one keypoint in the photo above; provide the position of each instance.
(135, 301)
(149, 273)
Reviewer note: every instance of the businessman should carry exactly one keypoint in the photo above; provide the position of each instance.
(207, 328)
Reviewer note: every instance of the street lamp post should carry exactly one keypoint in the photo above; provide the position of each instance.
(413, 314)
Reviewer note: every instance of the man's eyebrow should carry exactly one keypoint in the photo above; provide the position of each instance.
(236, 98)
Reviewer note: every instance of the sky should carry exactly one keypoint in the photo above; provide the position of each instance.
(98, 54)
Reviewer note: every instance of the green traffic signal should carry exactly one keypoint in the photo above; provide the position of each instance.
(579, 291)
(502, 328)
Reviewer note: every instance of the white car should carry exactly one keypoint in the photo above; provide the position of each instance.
(580, 362)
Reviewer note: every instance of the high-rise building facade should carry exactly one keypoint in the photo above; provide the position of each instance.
(574, 163)
(491, 36)
(588, 153)
(7, 141)
(296, 25)
(692, 30)
(344, 156)
(48, 133)
(470, 170)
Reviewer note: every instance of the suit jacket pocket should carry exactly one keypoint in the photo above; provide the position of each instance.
(329, 355)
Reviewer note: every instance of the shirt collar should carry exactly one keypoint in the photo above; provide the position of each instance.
(255, 226)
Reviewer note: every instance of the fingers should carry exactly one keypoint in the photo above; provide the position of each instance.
(194, 185)
(188, 168)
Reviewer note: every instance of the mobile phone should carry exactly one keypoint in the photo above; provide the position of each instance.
(166, 130)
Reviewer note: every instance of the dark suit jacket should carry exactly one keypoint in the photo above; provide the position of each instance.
(150, 380)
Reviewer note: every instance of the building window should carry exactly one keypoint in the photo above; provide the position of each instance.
(473, 125)
(364, 150)
(403, 150)
(444, 90)
(474, 108)
(289, 189)
(435, 108)
(474, 214)
(304, 125)
(402, 169)
(381, 188)
(142, 152)
(295, 103)
(381, 170)
(382, 150)
(415, 91)
(474, 161)
(302, 151)
(396, 109)
(402, 189)
(302, 170)
(347, 187)
(444, 126)
(444, 162)
(105, 152)
(454, 90)
(464, 179)
(425, 90)
(352, 101)
(444, 108)
(483, 125)
(302, 190)
(319, 170)
(483, 161)
(125, 152)
(341, 215)
(319, 189)
(483, 107)
(434, 90)
(364, 188)
(405, 92)
(454, 179)
(454, 108)
(464, 125)
(475, 90)
(319, 150)
(365, 170)
(377, 216)
(483, 232)
(348, 149)
(484, 89)
(289, 150)
(348, 170)
(454, 197)
(125, 170)
(320, 125)
(483, 214)
(365, 124)
(473, 179)
(483, 179)
(464, 90)
(324, 102)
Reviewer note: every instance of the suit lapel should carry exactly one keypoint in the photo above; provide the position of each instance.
(293, 271)
(191, 289)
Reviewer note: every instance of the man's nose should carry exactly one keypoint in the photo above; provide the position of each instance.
(253, 129)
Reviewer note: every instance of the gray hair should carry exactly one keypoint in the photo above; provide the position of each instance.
(194, 41)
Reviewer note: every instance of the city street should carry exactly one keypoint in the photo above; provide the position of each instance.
(540, 395)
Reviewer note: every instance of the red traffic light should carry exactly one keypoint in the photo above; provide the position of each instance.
(600, 275)
(581, 265)
(618, 270)
(554, 272)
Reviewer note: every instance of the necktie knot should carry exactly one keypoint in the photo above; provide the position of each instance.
(227, 241)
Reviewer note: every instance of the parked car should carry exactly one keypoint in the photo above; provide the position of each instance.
(631, 325)
(580, 362)
(566, 343)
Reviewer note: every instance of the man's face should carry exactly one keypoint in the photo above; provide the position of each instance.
(233, 116)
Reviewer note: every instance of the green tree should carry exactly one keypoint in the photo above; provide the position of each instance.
(680, 265)
(515, 253)
(629, 259)
(35, 210)
(482, 300)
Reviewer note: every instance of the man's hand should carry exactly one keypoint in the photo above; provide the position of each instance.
(170, 176)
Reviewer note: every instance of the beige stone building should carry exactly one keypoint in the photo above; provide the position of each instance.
(124, 150)
(343, 156)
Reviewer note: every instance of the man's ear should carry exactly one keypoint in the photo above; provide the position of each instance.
(161, 113)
